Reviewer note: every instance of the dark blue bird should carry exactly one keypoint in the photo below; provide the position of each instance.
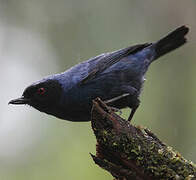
(116, 77)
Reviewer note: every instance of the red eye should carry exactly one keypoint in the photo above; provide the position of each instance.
(41, 91)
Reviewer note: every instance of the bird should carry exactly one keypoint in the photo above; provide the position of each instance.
(115, 77)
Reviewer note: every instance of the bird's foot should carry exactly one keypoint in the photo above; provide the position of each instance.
(113, 109)
(116, 98)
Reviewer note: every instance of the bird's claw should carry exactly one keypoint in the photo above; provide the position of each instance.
(113, 109)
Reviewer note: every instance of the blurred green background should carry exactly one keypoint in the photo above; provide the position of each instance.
(40, 37)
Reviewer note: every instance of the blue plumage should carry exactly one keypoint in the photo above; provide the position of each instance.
(115, 77)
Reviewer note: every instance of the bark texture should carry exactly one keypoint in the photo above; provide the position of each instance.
(134, 153)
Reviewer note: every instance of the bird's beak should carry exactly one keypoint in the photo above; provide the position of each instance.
(21, 100)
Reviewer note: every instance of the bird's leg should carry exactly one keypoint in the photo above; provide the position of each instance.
(115, 99)
(133, 110)
(133, 104)
(131, 91)
(116, 110)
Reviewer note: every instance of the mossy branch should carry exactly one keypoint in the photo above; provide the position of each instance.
(130, 152)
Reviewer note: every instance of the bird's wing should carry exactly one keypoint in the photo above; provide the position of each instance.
(111, 58)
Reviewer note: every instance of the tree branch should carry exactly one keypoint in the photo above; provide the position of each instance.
(130, 152)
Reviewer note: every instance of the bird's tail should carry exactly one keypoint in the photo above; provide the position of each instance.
(172, 41)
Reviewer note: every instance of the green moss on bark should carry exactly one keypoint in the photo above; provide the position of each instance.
(130, 152)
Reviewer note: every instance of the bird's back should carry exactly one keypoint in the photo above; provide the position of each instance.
(106, 85)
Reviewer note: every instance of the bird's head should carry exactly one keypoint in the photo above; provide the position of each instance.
(43, 95)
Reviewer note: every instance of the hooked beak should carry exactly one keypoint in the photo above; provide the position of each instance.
(21, 100)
